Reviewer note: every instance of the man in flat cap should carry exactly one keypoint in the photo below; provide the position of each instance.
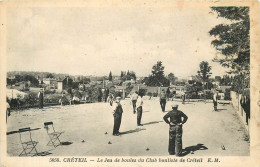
(117, 113)
(177, 119)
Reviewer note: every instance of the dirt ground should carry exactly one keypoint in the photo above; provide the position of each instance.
(90, 122)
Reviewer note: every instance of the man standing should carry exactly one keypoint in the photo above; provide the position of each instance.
(8, 110)
(215, 100)
(139, 104)
(183, 98)
(163, 100)
(40, 96)
(117, 113)
(177, 119)
(134, 99)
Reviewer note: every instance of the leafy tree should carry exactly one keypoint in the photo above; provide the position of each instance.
(128, 75)
(204, 72)
(32, 79)
(110, 76)
(49, 75)
(233, 39)
(172, 78)
(157, 77)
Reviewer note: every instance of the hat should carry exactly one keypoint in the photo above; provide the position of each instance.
(118, 98)
(174, 105)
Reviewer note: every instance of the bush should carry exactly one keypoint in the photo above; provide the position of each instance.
(155, 94)
(31, 99)
(149, 94)
(227, 94)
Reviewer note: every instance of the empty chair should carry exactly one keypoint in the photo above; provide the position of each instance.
(54, 136)
(27, 143)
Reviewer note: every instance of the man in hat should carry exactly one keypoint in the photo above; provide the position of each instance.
(117, 113)
(40, 96)
(177, 119)
(134, 99)
(215, 100)
(163, 100)
(139, 105)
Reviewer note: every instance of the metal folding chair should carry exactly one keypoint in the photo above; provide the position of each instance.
(54, 136)
(27, 142)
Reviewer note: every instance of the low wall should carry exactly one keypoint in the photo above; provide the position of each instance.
(235, 98)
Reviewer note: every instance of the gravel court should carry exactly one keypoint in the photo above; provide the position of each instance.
(90, 122)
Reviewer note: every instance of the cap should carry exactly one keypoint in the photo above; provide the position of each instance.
(174, 105)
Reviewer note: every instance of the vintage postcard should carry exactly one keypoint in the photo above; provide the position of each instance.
(130, 83)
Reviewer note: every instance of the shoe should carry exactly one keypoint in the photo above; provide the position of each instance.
(140, 125)
(172, 153)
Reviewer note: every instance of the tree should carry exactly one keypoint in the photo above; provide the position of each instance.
(204, 72)
(128, 75)
(49, 75)
(32, 79)
(172, 78)
(233, 39)
(110, 76)
(157, 77)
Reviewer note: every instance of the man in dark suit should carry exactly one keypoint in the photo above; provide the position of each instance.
(177, 119)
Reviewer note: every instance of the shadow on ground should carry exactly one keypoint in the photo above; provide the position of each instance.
(13, 132)
(45, 153)
(132, 131)
(221, 109)
(146, 111)
(153, 122)
(192, 149)
(66, 143)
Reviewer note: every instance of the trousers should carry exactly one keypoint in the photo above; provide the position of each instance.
(175, 140)
(134, 105)
(163, 103)
(139, 115)
(117, 123)
(215, 105)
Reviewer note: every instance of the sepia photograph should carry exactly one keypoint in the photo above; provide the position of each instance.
(167, 82)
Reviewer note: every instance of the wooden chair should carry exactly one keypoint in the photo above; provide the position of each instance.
(54, 136)
(27, 142)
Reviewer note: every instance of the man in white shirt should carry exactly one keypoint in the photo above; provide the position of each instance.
(134, 99)
(139, 105)
(215, 100)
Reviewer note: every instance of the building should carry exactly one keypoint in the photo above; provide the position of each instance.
(65, 83)
(50, 82)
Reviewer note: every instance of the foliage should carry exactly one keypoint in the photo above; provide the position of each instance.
(227, 94)
(240, 83)
(172, 78)
(128, 75)
(31, 99)
(233, 39)
(110, 76)
(49, 75)
(204, 71)
(226, 80)
(157, 77)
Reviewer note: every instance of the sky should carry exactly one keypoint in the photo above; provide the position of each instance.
(95, 41)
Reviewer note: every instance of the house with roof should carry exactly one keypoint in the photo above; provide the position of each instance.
(65, 83)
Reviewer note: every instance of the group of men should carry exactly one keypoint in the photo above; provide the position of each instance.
(175, 118)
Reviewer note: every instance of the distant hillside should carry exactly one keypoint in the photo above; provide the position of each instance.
(41, 75)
